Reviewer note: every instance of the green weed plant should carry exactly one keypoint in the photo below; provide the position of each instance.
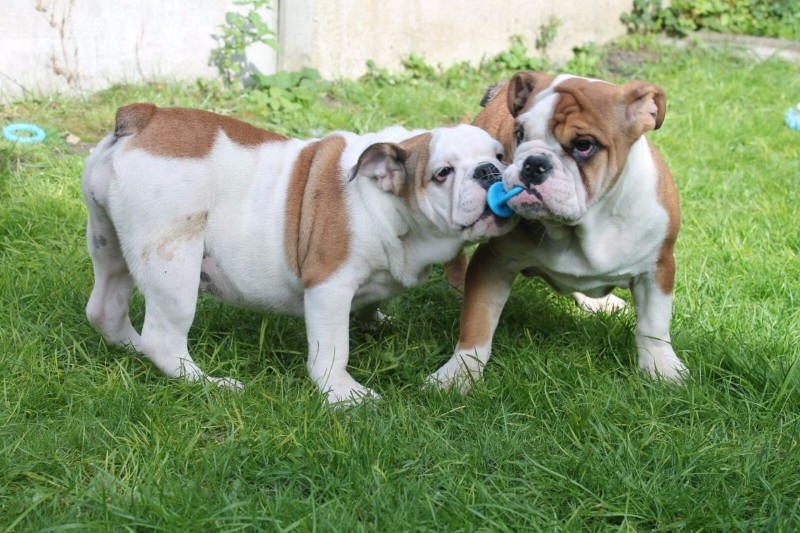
(765, 18)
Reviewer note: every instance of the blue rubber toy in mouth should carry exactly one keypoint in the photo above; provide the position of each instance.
(497, 198)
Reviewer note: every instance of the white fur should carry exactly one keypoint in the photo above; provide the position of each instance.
(587, 246)
(171, 225)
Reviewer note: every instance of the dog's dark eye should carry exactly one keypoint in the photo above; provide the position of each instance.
(440, 176)
(583, 149)
(499, 157)
(519, 134)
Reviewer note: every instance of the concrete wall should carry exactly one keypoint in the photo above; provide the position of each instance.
(51, 46)
(344, 34)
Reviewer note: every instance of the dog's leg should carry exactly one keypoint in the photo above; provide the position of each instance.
(168, 277)
(327, 314)
(484, 298)
(605, 304)
(455, 272)
(653, 314)
(107, 308)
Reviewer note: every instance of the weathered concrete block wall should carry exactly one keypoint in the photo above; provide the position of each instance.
(51, 46)
(344, 34)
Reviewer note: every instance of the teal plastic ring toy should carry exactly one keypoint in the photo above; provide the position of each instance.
(793, 117)
(11, 133)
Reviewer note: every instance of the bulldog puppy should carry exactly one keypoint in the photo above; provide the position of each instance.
(599, 207)
(181, 199)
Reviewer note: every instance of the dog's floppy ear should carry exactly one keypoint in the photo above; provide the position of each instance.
(522, 86)
(646, 105)
(384, 162)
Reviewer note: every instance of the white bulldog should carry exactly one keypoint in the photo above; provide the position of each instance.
(600, 208)
(182, 198)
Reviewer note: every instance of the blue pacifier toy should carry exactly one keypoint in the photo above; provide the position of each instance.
(793, 117)
(497, 198)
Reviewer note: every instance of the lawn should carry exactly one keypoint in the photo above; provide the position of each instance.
(561, 433)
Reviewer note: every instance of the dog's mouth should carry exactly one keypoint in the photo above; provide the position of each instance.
(531, 205)
(488, 216)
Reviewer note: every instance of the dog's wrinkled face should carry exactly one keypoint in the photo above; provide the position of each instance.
(573, 139)
(451, 191)
(444, 175)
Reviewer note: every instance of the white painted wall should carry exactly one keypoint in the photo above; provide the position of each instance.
(344, 34)
(49, 46)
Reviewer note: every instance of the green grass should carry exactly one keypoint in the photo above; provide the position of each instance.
(561, 433)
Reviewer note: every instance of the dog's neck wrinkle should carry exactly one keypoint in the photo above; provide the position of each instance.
(629, 190)
(396, 228)
(621, 216)
(421, 249)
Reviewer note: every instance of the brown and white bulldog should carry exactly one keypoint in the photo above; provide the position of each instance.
(599, 207)
(181, 199)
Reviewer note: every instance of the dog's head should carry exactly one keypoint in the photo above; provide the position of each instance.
(573, 138)
(443, 176)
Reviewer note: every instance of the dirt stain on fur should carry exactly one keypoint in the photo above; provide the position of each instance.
(187, 228)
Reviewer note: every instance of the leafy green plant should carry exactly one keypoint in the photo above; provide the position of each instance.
(547, 34)
(517, 58)
(288, 91)
(585, 61)
(514, 59)
(769, 18)
(239, 32)
(414, 68)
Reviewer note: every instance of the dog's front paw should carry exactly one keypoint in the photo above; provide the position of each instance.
(347, 392)
(459, 373)
(664, 365)
(606, 304)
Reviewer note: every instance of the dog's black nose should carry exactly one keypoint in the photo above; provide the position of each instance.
(536, 169)
(486, 174)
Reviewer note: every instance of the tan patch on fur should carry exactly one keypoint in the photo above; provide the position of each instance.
(181, 132)
(497, 121)
(418, 150)
(455, 271)
(132, 118)
(475, 329)
(497, 118)
(595, 113)
(188, 228)
(614, 115)
(317, 236)
(668, 197)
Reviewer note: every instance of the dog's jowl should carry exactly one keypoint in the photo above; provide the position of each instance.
(183, 199)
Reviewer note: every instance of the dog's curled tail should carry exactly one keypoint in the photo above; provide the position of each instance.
(132, 118)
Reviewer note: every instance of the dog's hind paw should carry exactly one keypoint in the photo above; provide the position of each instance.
(227, 383)
(606, 304)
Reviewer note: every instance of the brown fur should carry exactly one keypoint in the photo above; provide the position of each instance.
(515, 97)
(475, 329)
(496, 120)
(418, 148)
(668, 195)
(317, 236)
(180, 132)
